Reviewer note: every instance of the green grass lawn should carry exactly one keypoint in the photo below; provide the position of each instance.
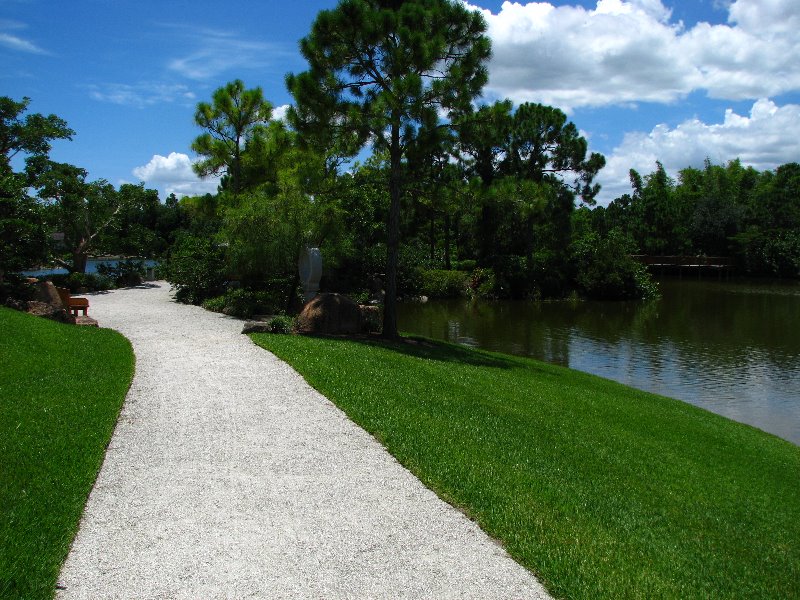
(601, 490)
(61, 389)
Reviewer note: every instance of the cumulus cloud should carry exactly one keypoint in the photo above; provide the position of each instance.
(140, 95)
(625, 51)
(766, 138)
(173, 174)
(279, 112)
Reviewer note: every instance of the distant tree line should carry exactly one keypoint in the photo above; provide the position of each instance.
(50, 212)
(719, 210)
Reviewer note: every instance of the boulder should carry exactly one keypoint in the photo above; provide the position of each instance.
(86, 321)
(49, 311)
(330, 314)
(47, 293)
(256, 327)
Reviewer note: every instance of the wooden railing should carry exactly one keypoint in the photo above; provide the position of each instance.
(719, 262)
(700, 264)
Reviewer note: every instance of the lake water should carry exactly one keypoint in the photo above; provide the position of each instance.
(729, 347)
(91, 267)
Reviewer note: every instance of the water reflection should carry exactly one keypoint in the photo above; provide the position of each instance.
(733, 348)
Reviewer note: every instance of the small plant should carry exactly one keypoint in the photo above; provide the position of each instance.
(281, 324)
(482, 283)
(216, 304)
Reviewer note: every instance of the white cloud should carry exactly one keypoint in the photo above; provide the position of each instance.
(217, 51)
(626, 51)
(173, 174)
(142, 94)
(279, 112)
(15, 42)
(766, 138)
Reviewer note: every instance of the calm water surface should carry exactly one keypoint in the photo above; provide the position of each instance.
(91, 267)
(731, 348)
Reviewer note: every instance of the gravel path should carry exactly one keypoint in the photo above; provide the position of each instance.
(229, 477)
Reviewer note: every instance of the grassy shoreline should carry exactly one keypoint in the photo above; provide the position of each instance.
(61, 390)
(601, 490)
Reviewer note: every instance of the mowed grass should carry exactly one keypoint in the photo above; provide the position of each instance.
(601, 490)
(61, 389)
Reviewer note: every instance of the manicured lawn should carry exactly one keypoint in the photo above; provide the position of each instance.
(61, 389)
(601, 490)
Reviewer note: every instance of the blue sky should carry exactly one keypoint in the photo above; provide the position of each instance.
(644, 80)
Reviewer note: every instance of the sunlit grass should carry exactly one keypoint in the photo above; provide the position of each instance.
(61, 388)
(601, 490)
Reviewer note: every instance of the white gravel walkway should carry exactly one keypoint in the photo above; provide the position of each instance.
(229, 477)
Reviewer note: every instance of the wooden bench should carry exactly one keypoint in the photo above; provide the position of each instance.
(71, 303)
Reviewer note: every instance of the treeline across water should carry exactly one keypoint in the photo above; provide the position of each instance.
(720, 210)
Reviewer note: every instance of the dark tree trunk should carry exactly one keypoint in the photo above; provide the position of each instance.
(447, 241)
(79, 260)
(432, 235)
(392, 234)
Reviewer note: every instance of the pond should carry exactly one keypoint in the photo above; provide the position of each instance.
(91, 266)
(729, 347)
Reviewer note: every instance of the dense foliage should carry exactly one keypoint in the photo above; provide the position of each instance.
(490, 201)
(720, 210)
(68, 218)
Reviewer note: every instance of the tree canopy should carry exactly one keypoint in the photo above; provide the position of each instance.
(30, 135)
(382, 71)
(233, 119)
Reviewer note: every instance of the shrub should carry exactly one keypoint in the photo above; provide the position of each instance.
(81, 281)
(438, 283)
(244, 303)
(606, 271)
(195, 268)
(124, 274)
(482, 283)
(216, 304)
(465, 265)
(281, 324)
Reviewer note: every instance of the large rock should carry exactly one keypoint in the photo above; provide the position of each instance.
(49, 311)
(330, 314)
(46, 292)
(256, 327)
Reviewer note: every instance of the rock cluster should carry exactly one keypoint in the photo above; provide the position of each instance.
(48, 304)
(333, 314)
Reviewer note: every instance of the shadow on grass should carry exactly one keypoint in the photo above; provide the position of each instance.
(423, 348)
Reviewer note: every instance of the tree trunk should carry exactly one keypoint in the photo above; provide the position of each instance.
(79, 260)
(447, 240)
(432, 235)
(392, 234)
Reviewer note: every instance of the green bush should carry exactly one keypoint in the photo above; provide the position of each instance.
(244, 303)
(465, 265)
(606, 271)
(81, 281)
(437, 283)
(196, 269)
(482, 283)
(124, 274)
(281, 324)
(216, 304)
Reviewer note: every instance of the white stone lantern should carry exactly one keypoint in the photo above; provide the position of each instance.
(310, 267)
